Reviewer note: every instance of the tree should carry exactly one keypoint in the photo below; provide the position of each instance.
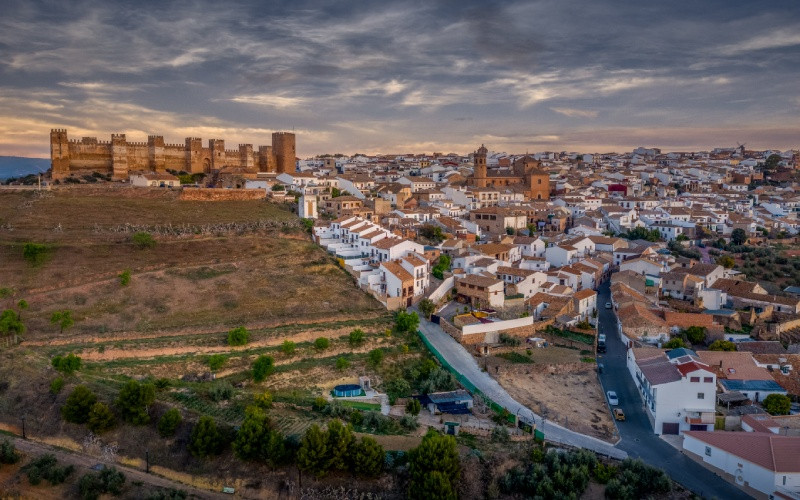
(722, 345)
(134, 400)
(78, 405)
(322, 343)
(110, 480)
(313, 452)
(263, 400)
(205, 439)
(406, 322)
(510, 231)
(426, 307)
(726, 261)
(22, 305)
(143, 240)
(257, 438)
(215, 362)
(101, 418)
(238, 336)
(738, 236)
(356, 337)
(413, 407)
(695, 334)
(777, 404)
(125, 277)
(263, 366)
(35, 253)
(340, 440)
(772, 162)
(10, 323)
(8, 453)
(375, 357)
(433, 233)
(169, 422)
(288, 347)
(674, 343)
(68, 364)
(642, 233)
(367, 457)
(63, 319)
(342, 363)
(433, 467)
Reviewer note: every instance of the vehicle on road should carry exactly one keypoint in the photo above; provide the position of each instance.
(612, 398)
(601, 343)
(619, 414)
(608, 305)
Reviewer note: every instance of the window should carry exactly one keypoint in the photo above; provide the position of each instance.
(701, 395)
(708, 380)
(708, 451)
(694, 379)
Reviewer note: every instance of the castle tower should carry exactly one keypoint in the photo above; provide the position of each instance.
(155, 152)
(216, 147)
(119, 156)
(59, 153)
(246, 156)
(194, 155)
(480, 173)
(283, 145)
(266, 160)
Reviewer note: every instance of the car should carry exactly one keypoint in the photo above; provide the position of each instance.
(608, 305)
(619, 414)
(612, 398)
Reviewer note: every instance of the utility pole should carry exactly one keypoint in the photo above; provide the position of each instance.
(147, 461)
(23, 428)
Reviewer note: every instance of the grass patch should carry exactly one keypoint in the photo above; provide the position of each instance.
(587, 359)
(360, 405)
(515, 357)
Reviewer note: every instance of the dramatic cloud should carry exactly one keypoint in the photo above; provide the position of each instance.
(404, 76)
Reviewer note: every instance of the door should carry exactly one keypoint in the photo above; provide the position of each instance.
(670, 428)
(698, 427)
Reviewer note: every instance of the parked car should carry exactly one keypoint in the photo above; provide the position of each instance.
(619, 414)
(612, 398)
(608, 305)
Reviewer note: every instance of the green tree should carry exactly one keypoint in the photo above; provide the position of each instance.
(56, 385)
(8, 453)
(342, 363)
(356, 337)
(22, 305)
(426, 307)
(68, 364)
(101, 418)
(134, 400)
(413, 407)
(288, 347)
(340, 440)
(10, 323)
(726, 261)
(215, 362)
(263, 366)
(367, 457)
(674, 343)
(738, 236)
(695, 334)
(205, 439)
(397, 388)
(313, 452)
(143, 240)
(109, 480)
(375, 357)
(238, 336)
(772, 162)
(35, 253)
(169, 422)
(433, 467)
(777, 404)
(406, 322)
(78, 405)
(322, 343)
(263, 400)
(257, 438)
(63, 319)
(642, 233)
(722, 345)
(125, 277)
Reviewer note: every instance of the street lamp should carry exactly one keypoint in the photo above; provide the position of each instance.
(23, 428)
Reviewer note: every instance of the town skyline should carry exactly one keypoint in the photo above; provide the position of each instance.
(406, 77)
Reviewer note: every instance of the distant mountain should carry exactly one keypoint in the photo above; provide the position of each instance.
(17, 166)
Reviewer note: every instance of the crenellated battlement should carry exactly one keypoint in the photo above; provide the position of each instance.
(58, 131)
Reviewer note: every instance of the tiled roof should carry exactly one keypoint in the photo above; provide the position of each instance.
(473, 279)
(686, 320)
(761, 347)
(692, 366)
(585, 293)
(658, 370)
(396, 269)
(734, 365)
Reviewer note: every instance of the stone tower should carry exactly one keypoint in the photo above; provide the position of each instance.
(59, 153)
(246, 157)
(155, 152)
(119, 156)
(194, 155)
(217, 149)
(285, 154)
(479, 173)
(266, 160)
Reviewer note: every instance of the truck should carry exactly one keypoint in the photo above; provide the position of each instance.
(601, 343)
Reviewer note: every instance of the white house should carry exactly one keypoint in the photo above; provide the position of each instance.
(763, 464)
(679, 394)
(585, 303)
(154, 179)
(559, 256)
(642, 266)
(418, 267)
(388, 249)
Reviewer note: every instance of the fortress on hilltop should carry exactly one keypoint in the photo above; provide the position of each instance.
(119, 157)
(525, 171)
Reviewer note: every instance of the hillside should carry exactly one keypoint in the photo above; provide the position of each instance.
(18, 166)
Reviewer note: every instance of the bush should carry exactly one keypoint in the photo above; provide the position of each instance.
(56, 385)
(78, 405)
(375, 357)
(367, 457)
(413, 407)
(109, 480)
(722, 345)
(604, 473)
(263, 366)
(433, 467)
(636, 480)
(508, 340)
(500, 434)
(406, 322)
(263, 400)
(288, 347)
(558, 475)
(238, 336)
(8, 453)
(397, 388)
(674, 343)
(205, 439)
(319, 404)
(143, 240)
(322, 343)
(215, 361)
(777, 404)
(67, 364)
(696, 334)
(220, 391)
(169, 422)
(125, 277)
(35, 253)
(162, 383)
(409, 422)
(46, 467)
(342, 363)
(258, 439)
(356, 337)
(101, 418)
(134, 400)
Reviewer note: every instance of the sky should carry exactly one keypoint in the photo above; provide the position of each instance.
(405, 76)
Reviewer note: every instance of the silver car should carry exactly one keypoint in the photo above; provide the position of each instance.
(612, 398)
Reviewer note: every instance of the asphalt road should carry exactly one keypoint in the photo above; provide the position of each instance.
(638, 439)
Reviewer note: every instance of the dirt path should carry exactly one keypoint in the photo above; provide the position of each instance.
(84, 464)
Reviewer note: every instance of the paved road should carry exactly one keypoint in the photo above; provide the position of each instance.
(637, 434)
(462, 361)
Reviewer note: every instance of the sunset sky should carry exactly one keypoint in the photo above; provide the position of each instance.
(405, 76)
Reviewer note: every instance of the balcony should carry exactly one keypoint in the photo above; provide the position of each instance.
(706, 418)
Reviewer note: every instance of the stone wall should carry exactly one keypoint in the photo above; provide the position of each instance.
(209, 194)
(451, 330)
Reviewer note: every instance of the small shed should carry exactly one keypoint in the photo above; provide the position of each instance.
(347, 390)
(537, 341)
(457, 402)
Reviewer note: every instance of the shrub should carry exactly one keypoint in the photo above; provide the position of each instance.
(8, 453)
(413, 407)
(143, 240)
(263, 400)
(604, 473)
(696, 334)
(78, 405)
(205, 439)
(636, 480)
(375, 357)
(257, 439)
(322, 343)
(220, 391)
(56, 385)
(101, 418)
(125, 277)
(215, 362)
(162, 383)
(509, 340)
(342, 363)
(35, 253)
(288, 347)
(406, 322)
(722, 345)
(238, 336)
(674, 343)
(409, 422)
(433, 467)
(169, 422)
(46, 467)
(134, 400)
(367, 457)
(319, 404)
(67, 364)
(356, 337)
(500, 434)
(263, 366)
(109, 480)
(777, 404)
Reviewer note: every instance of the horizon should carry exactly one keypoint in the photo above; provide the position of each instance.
(405, 76)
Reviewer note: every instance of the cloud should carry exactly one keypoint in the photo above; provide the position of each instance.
(575, 113)
(274, 101)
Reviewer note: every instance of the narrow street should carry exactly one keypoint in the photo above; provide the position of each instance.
(638, 439)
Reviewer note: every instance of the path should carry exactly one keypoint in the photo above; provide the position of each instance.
(463, 362)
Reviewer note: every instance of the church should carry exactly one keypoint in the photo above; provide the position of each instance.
(525, 172)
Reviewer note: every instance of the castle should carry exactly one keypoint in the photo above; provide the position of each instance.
(120, 157)
(525, 172)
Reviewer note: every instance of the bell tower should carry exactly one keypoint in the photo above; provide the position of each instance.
(479, 174)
